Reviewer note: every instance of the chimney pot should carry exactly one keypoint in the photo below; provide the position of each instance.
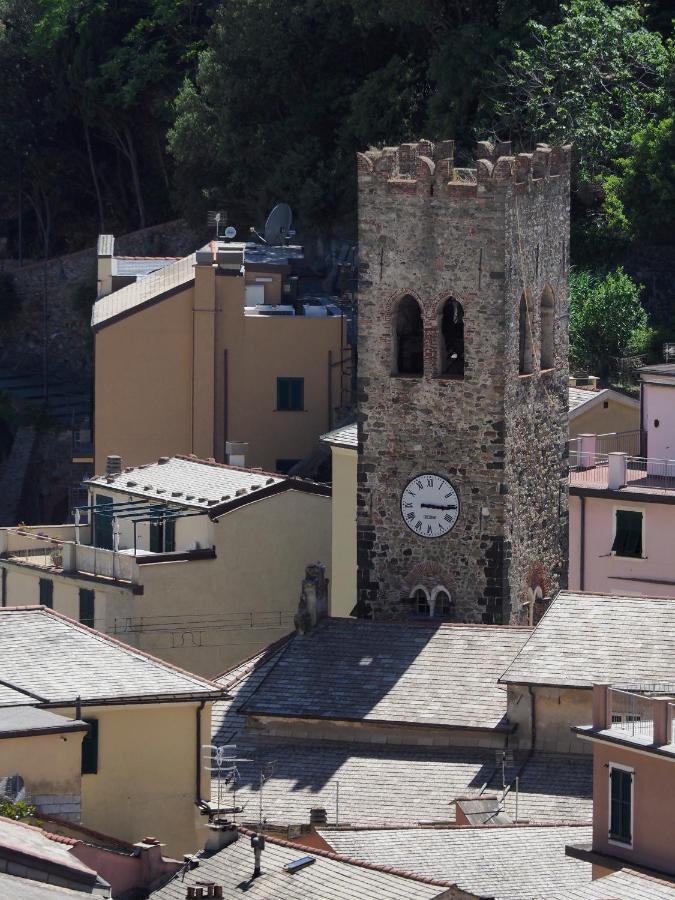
(162, 460)
(318, 816)
(113, 464)
(236, 452)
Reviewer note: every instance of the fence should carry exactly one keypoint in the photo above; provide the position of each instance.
(619, 442)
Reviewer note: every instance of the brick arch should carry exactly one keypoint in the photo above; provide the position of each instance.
(392, 302)
(434, 305)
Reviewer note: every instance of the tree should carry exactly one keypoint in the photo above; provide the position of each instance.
(606, 320)
(593, 79)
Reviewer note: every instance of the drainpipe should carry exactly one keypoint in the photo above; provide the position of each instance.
(198, 754)
(582, 545)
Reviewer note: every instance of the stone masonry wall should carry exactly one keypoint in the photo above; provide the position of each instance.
(70, 342)
(431, 231)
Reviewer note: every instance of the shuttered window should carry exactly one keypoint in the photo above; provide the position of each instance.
(47, 592)
(87, 607)
(621, 802)
(628, 536)
(290, 394)
(90, 748)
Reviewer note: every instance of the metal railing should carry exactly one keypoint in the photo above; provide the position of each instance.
(619, 442)
(632, 713)
(650, 472)
(589, 468)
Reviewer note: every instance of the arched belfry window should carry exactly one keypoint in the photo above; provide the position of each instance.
(524, 338)
(408, 344)
(441, 602)
(420, 601)
(451, 339)
(547, 323)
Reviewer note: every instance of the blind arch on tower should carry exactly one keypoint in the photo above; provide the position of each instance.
(547, 318)
(524, 338)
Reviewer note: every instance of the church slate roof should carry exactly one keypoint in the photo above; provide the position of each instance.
(346, 436)
(586, 638)
(354, 670)
(626, 884)
(514, 862)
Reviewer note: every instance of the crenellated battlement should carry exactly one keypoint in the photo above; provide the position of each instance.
(416, 167)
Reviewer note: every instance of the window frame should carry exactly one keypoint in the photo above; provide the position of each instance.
(48, 585)
(89, 621)
(91, 738)
(413, 596)
(288, 381)
(629, 509)
(611, 837)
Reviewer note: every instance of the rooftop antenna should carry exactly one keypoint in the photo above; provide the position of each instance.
(277, 227)
(230, 233)
(223, 760)
(266, 772)
(217, 219)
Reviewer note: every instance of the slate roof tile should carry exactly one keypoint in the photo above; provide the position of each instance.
(586, 638)
(505, 863)
(626, 884)
(392, 672)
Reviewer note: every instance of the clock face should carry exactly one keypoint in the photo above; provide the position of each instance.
(429, 505)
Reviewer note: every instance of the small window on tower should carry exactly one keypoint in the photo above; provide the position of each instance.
(420, 604)
(408, 349)
(524, 338)
(451, 339)
(547, 323)
(442, 605)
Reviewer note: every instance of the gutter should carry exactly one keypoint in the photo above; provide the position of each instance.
(582, 547)
(198, 754)
(202, 697)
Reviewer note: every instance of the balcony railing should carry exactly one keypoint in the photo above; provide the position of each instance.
(589, 465)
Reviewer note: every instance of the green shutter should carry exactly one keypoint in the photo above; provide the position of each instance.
(103, 526)
(155, 537)
(297, 393)
(620, 805)
(628, 538)
(90, 748)
(87, 607)
(47, 592)
(169, 535)
(290, 394)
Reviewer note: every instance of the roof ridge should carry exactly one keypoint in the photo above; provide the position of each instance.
(20, 690)
(425, 623)
(352, 861)
(134, 651)
(262, 656)
(218, 465)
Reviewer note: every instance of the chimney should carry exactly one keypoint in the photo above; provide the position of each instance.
(236, 452)
(204, 889)
(220, 835)
(318, 817)
(113, 465)
(313, 605)
(105, 251)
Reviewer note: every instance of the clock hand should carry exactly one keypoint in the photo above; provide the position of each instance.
(436, 506)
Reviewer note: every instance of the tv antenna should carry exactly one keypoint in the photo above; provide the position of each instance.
(230, 233)
(222, 760)
(217, 219)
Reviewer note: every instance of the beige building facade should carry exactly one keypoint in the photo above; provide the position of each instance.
(222, 583)
(343, 445)
(209, 350)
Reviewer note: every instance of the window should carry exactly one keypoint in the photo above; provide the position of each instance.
(420, 604)
(524, 339)
(290, 394)
(103, 525)
(620, 804)
(451, 339)
(628, 533)
(408, 349)
(547, 329)
(47, 592)
(285, 465)
(442, 605)
(163, 536)
(90, 748)
(87, 607)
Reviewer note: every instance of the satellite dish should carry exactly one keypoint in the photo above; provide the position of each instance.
(230, 232)
(278, 224)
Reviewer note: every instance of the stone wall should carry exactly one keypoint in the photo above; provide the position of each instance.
(480, 236)
(70, 345)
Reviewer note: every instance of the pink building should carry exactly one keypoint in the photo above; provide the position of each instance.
(622, 506)
(633, 783)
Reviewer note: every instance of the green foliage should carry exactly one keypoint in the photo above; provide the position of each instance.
(16, 810)
(606, 319)
(593, 79)
(9, 297)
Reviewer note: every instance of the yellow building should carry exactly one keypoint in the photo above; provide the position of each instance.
(138, 770)
(343, 443)
(214, 349)
(199, 563)
(604, 412)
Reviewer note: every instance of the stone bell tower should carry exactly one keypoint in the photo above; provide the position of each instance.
(462, 507)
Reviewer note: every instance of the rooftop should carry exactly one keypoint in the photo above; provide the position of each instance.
(15, 888)
(383, 784)
(584, 397)
(347, 669)
(346, 436)
(23, 720)
(140, 266)
(57, 660)
(579, 396)
(626, 884)
(327, 877)
(667, 369)
(586, 638)
(517, 862)
(186, 481)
